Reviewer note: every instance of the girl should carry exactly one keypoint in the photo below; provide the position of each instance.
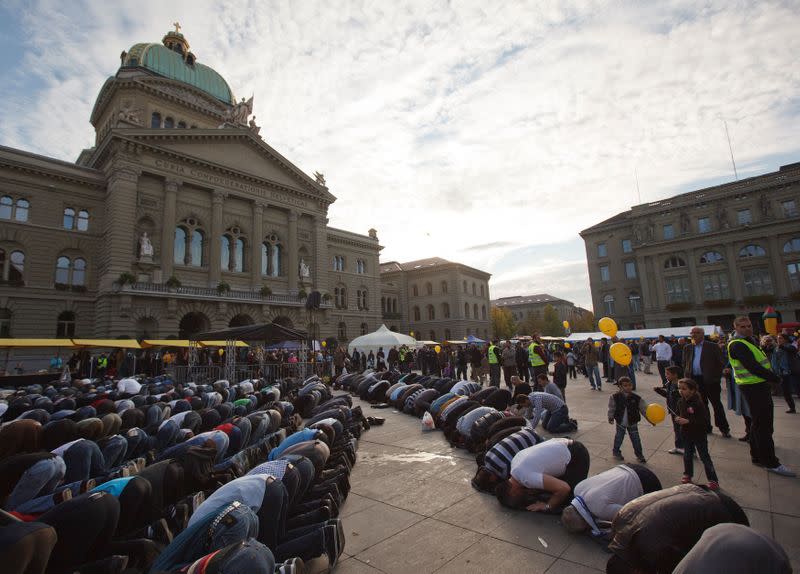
(694, 421)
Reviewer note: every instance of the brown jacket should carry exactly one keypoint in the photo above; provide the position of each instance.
(710, 361)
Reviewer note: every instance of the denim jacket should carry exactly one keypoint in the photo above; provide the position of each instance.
(780, 361)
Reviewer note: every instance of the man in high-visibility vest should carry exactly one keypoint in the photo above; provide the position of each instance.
(493, 356)
(752, 374)
(537, 358)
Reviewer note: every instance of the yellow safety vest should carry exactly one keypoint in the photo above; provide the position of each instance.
(492, 355)
(740, 374)
(533, 357)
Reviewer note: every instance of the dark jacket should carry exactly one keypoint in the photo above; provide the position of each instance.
(560, 374)
(695, 411)
(711, 363)
(631, 403)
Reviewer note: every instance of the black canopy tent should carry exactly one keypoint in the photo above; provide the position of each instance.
(268, 333)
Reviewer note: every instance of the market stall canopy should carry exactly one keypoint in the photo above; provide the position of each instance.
(108, 343)
(474, 340)
(179, 343)
(268, 333)
(222, 343)
(646, 333)
(21, 343)
(383, 337)
(426, 343)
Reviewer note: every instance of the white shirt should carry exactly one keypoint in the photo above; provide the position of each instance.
(607, 492)
(530, 465)
(130, 386)
(663, 351)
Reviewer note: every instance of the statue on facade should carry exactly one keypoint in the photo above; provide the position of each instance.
(253, 127)
(685, 223)
(722, 217)
(651, 231)
(239, 113)
(763, 203)
(319, 177)
(637, 234)
(145, 247)
(129, 114)
(305, 270)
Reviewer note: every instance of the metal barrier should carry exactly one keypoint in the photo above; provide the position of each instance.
(206, 374)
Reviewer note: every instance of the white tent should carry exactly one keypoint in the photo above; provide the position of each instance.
(383, 337)
(645, 333)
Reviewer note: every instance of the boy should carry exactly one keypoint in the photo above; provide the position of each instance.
(670, 392)
(625, 408)
(693, 418)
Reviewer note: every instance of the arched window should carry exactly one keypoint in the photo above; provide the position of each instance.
(65, 325)
(710, 257)
(415, 291)
(340, 297)
(342, 331)
(169, 122)
(465, 286)
(444, 286)
(475, 311)
(63, 265)
(482, 291)
(6, 206)
(792, 246)
(16, 268)
(69, 218)
(197, 248)
(446, 310)
(752, 251)
(83, 220)
(635, 302)
(277, 260)
(483, 312)
(608, 304)
(416, 314)
(466, 310)
(79, 272)
(264, 259)
(364, 328)
(674, 262)
(361, 299)
(431, 313)
(155, 120)
(361, 266)
(225, 252)
(182, 124)
(238, 262)
(21, 213)
(474, 289)
(69, 272)
(180, 246)
(429, 288)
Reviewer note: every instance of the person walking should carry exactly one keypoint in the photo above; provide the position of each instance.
(592, 357)
(509, 357)
(522, 362)
(663, 353)
(644, 354)
(693, 418)
(571, 360)
(782, 358)
(493, 356)
(702, 362)
(537, 357)
(752, 373)
(626, 408)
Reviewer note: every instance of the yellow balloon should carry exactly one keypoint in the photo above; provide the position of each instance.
(221, 351)
(608, 326)
(566, 324)
(597, 343)
(656, 413)
(567, 345)
(324, 343)
(621, 353)
(437, 348)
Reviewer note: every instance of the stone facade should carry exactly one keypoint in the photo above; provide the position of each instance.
(435, 299)
(235, 233)
(521, 306)
(702, 257)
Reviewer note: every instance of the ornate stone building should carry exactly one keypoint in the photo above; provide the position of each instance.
(701, 257)
(521, 306)
(181, 218)
(435, 299)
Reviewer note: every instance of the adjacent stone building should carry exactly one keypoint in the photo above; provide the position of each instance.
(180, 219)
(702, 257)
(435, 299)
(521, 306)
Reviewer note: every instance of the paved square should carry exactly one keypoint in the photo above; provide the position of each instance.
(412, 508)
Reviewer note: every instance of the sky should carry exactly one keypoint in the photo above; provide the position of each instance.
(488, 133)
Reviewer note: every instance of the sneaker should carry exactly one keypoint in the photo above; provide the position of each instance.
(686, 479)
(675, 451)
(713, 485)
(618, 455)
(783, 470)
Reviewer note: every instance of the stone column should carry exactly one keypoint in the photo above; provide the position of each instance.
(644, 280)
(292, 269)
(215, 240)
(168, 228)
(255, 244)
(777, 268)
(321, 263)
(658, 274)
(119, 235)
(698, 295)
(735, 280)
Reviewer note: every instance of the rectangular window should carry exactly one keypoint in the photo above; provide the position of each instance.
(703, 225)
(715, 286)
(789, 208)
(626, 246)
(630, 270)
(794, 276)
(604, 274)
(678, 290)
(757, 281)
(601, 250)
(669, 231)
(743, 217)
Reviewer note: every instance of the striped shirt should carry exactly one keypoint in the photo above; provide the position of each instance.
(541, 402)
(465, 422)
(498, 458)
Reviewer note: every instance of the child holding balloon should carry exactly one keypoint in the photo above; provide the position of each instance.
(626, 408)
(693, 418)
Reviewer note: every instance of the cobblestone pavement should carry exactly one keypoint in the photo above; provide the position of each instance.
(412, 508)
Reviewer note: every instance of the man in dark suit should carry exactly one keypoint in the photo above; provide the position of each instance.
(702, 361)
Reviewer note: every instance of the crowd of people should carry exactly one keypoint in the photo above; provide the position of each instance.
(145, 475)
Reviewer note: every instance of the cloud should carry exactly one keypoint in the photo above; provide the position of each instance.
(453, 126)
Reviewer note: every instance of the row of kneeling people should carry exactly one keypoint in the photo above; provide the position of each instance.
(145, 475)
(645, 527)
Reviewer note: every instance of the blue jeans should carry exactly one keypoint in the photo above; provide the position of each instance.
(633, 432)
(40, 479)
(114, 450)
(594, 375)
(84, 461)
(701, 444)
(558, 421)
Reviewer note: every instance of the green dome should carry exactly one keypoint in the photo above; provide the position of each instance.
(171, 64)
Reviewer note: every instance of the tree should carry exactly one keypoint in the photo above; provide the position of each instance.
(503, 325)
(551, 324)
(530, 325)
(583, 323)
